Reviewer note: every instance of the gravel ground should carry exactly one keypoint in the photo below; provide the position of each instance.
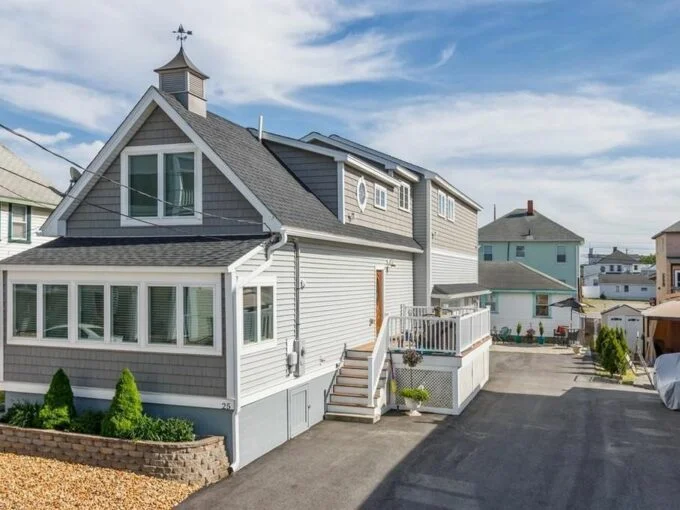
(36, 483)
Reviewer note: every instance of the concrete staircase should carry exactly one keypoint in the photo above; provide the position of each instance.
(348, 400)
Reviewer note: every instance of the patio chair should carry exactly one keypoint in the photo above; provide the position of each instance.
(561, 335)
(504, 335)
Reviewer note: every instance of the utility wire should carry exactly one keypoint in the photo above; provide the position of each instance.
(121, 185)
(86, 202)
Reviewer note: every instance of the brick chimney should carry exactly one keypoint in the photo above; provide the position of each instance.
(530, 208)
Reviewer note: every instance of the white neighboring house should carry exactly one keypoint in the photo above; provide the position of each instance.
(627, 318)
(24, 205)
(522, 294)
(637, 287)
(617, 262)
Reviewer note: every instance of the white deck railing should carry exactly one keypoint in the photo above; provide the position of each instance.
(446, 334)
(425, 311)
(376, 360)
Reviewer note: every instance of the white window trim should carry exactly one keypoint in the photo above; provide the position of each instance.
(160, 218)
(362, 205)
(142, 285)
(450, 207)
(405, 186)
(378, 192)
(441, 199)
(260, 345)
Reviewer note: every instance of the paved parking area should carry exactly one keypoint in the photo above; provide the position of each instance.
(539, 436)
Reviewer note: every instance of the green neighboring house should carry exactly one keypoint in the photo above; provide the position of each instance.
(526, 236)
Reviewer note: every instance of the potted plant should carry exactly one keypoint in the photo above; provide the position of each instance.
(530, 335)
(518, 329)
(413, 397)
(541, 329)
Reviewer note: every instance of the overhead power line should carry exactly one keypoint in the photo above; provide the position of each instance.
(130, 188)
(98, 206)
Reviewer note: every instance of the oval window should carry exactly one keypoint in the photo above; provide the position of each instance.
(362, 193)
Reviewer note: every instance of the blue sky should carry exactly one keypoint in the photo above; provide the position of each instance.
(573, 104)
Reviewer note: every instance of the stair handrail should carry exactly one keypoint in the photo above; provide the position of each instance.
(376, 360)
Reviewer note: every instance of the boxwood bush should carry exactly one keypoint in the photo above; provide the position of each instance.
(124, 420)
(58, 409)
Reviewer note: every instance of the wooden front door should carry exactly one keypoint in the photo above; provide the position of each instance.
(379, 298)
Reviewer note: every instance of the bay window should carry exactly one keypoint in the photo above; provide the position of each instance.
(157, 317)
(163, 183)
(258, 313)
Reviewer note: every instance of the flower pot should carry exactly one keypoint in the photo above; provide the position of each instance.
(541, 340)
(518, 339)
(576, 348)
(413, 406)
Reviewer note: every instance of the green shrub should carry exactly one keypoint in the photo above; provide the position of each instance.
(90, 422)
(168, 430)
(417, 394)
(125, 410)
(518, 328)
(613, 354)
(58, 409)
(602, 338)
(23, 414)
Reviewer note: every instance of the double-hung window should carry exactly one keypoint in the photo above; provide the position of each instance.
(561, 254)
(405, 196)
(380, 197)
(490, 301)
(19, 223)
(258, 313)
(441, 197)
(450, 209)
(161, 185)
(542, 305)
(488, 253)
(519, 252)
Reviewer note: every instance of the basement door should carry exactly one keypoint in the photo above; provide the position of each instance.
(298, 410)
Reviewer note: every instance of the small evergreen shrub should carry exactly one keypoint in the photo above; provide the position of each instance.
(167, 430)
(58, 409)
(89, 422)
(417, 394)
(613, 354)
(125, 410)
(518, 328)
(23, 414)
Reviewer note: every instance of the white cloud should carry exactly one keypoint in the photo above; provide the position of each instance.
(444, 56)
(617, 201)
(52, 168)
(514, 125)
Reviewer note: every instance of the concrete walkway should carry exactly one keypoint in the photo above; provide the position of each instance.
(540, 436)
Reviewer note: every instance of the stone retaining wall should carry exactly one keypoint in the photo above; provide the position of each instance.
(199, 462)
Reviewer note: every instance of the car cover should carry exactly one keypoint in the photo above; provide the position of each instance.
(667, 368)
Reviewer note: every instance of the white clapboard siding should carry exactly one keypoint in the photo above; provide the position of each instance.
(38, 217)
(450, 268)
(337, 305)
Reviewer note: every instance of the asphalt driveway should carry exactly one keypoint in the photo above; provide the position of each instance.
(541, 435)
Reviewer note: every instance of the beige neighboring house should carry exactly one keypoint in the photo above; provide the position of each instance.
(24, 205)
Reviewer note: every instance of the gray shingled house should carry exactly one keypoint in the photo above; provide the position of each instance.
(252, 282)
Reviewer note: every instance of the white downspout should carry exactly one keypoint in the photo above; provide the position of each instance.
(236, 304)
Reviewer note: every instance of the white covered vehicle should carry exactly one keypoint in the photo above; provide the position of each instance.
(667, 375)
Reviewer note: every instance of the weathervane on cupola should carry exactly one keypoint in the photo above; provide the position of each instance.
(181, 78)
(182, 35)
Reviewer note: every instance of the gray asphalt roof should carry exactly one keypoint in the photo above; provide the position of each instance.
(181, 61)
(278, 189)
(518, 226)
(516, 276)
(674, 228)
(14, 187)
(132, 251)
(618, 257)
(626, 278)
(454, 289)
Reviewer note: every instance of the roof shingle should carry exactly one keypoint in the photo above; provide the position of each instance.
(517, 276)
(519, 226)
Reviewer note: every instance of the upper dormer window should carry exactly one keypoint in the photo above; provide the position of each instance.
(450, 209)
(161, 184)
(380, 197)
(405, 196)
(442, 203)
